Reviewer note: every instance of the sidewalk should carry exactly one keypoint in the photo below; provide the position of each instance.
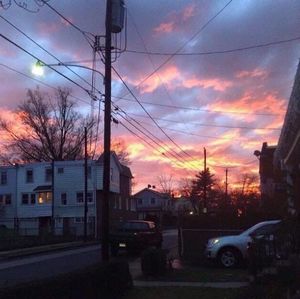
(135, 270)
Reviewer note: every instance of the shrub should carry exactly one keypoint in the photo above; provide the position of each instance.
(154, 261)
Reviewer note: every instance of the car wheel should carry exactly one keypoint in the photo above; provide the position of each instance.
(229, 257)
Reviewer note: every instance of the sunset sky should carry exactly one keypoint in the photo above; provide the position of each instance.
(228, 102)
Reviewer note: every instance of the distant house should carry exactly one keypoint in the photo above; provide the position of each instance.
(151, 204)
(287, 154)
(182, 206)
(37, 197)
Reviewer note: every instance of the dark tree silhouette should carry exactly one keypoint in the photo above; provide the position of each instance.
(49, 129)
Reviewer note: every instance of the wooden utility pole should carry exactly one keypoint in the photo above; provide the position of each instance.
(226, 184)
(107, 135)
(85, 185)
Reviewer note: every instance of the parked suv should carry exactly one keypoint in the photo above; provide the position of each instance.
(135, 235)
(229, 251)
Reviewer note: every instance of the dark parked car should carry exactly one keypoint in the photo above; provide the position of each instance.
(134, 236)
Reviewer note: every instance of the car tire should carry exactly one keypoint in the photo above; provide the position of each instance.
(229, 257)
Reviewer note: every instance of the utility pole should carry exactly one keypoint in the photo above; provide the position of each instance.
(107, 135)
(205, 183)
(226, 183)
(85, 185)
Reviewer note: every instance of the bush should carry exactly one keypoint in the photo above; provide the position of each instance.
(154, 261)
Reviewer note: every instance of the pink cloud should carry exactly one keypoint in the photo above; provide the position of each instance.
(256, 73)
(176, 20)
(215, 83)
(165, 27)
(48, 28)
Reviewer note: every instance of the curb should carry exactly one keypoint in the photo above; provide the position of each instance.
(217, 285)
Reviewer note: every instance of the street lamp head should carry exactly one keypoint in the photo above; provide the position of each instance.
(37, 69)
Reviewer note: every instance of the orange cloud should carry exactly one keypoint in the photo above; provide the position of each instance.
(189, 12)
(48, 28)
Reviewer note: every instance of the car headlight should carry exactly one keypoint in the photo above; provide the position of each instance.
(212, 242)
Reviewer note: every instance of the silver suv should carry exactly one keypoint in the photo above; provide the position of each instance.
(229, 251)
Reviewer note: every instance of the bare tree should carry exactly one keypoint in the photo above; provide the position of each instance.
(50, 128)
(120, 149)
(166, 183)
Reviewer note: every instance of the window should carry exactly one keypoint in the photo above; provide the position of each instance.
(60, 170)
(90, 197)
(7, 199)
(79, 197)
(48, 174)
(25, 200)
(3, 178)
(140, 201)
(78, 219)
(44, 198)
(29, 176)
(32, 198)
(153, 201)
(63, 198)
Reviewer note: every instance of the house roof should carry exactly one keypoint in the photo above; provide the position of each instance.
(43, 188)
(162, 195)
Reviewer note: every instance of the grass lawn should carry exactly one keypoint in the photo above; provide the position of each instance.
(182, 292)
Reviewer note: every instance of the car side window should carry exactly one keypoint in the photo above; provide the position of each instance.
(264, 230)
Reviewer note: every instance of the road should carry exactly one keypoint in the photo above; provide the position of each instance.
(29, 268)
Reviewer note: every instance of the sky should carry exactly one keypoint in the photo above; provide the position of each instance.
(192, 95)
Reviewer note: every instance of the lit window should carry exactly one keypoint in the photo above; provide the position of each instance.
(44, 197)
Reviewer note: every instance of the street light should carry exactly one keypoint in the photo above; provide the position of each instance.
(38, 67)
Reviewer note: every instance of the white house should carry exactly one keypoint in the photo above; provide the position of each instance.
(151, 204)
(36, 197)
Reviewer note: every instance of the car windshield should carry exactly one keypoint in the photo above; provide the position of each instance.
(134, 226)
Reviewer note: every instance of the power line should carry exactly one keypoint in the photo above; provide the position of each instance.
(196, 109)
(36, 58)
(84, 33)
(184, 44)
(148, 143)
(41, 47)
(151, 134)
(130, 91)
(214, 52)
(39, 81)
(209, 125)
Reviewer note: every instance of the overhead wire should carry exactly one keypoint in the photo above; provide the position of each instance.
(44, 49)
(196, 108)
(209, 125)
(39, 81)
(145, 110)
(158, 141)
(214, 52)
(184, 44)
(36, 58)
(84, 33)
